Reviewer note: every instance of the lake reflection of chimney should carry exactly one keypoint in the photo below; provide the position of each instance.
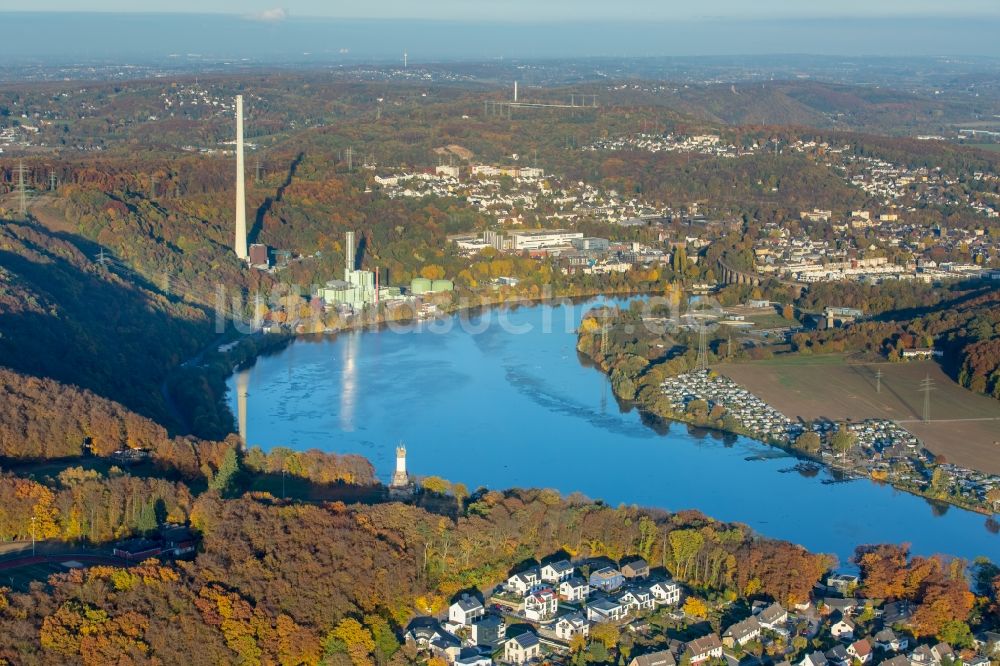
(242, 383)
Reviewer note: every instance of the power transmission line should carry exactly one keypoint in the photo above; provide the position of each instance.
(702, 346)
(926, 386)
(22, 190)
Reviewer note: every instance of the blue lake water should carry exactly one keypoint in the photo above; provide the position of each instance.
(510, 405)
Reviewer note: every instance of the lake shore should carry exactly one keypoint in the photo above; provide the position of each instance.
(651, 415)
(487, 406)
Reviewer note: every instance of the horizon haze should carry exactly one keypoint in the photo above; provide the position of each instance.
(58, 37)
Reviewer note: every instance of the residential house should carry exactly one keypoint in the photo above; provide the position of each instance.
(541, 605)
(488, 631)
(466, 610)
(989, 643)
(574, 624)
(137, 549)
(522, 648)
(888, 640)
(814, 659)
(861, 650)
(474, 659)
(638, 626)
(843, 627)
(426, 634)
(605, 610)
(178, 540)
(524, 582)
(704, 648)
(842, 606)
(636, 599)
(420, 631)
(838, 656)
(842, 582)
(773, 617)
(636, 569)
(898, 612)
(742, 632)
(447, 646)
(941, 652)
(607, 579)
(661, 658)
(574, 589)
(922, 656)
(666, 592)
(556, 572)
(898, 660)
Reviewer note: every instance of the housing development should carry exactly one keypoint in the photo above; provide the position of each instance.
(547, 612)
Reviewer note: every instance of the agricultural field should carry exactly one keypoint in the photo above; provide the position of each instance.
(964, 427)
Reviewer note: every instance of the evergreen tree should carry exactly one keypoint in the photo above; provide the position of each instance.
(147, 519)
(225, 478)
(680, 261)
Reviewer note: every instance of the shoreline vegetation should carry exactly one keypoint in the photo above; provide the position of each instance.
(635, 381)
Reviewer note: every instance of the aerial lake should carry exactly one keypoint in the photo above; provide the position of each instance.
(500, 398)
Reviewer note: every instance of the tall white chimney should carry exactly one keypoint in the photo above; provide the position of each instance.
(241, 204)
(515, 91)
(349, 257)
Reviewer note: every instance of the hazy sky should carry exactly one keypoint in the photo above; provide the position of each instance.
(533, 10)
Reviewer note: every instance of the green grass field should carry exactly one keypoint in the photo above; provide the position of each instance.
(774, 320)
(964, 426)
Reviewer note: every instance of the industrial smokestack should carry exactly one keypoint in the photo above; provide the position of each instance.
(349, 255)
(515, 91)
(241, 204)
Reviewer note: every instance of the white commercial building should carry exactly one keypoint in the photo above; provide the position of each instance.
(538, 239)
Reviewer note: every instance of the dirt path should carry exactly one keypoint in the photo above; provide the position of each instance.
(42, 208)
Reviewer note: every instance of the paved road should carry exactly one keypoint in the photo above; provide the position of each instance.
(16, 550)
(83, 558)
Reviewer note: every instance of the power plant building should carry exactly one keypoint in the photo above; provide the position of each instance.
(258, 256)
(357, 289)
(420, 285)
